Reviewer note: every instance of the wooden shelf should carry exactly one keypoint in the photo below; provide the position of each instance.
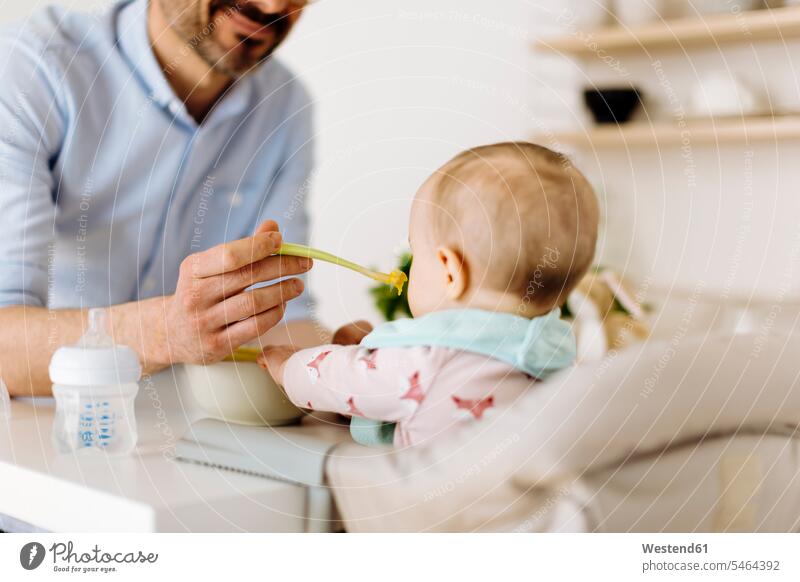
(695, 132)
(774, 24)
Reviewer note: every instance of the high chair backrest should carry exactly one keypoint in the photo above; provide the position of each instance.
(690, 435)
(746, 483)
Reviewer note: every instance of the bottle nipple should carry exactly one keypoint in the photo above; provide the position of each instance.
(97, 334)
(5, 401)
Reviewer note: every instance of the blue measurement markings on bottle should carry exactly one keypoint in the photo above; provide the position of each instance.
(97, 424)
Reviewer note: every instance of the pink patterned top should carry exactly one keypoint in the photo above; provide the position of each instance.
(427, 391)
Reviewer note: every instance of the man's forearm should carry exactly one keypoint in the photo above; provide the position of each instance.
(211, 313)
(30, 335)
(28, 338)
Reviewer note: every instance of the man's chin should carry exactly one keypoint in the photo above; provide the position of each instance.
(238, 61)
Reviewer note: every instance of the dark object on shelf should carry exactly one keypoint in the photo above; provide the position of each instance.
(615, 105)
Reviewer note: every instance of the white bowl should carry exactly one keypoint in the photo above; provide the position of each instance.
(241, 393)
(723, 95)
(722, 6)
(637, 12)
(584, 15)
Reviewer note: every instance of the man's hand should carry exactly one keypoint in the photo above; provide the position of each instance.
(211, 314)
(352, 333)
(274, 359)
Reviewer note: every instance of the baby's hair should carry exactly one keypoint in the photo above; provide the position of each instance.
(540, 212)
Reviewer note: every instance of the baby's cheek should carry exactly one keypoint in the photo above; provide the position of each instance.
(422, 296)
(413, 297)
(417, 296)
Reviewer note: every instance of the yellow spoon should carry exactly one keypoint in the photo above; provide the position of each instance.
(396, 279)
(244, 354)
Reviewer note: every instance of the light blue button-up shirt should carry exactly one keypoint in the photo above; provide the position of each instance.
(107, 183)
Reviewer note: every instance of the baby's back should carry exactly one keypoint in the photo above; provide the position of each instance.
(462, 388)
(426, 391)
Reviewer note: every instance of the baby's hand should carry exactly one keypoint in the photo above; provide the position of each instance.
(352, 333)
(274, 358)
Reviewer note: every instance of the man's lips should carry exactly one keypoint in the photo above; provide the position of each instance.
(249, 21)
(249, 28)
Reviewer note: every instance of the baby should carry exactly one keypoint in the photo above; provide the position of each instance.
(500, 236)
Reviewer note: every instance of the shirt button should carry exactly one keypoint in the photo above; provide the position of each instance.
(175, 107)
(149, 284)
(235, 199)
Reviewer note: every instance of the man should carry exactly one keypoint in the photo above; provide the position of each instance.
(142, 148)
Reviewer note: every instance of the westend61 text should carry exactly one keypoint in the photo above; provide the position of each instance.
(672, 549)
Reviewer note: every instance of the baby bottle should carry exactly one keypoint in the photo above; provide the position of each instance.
(95, 383)
(5, 401)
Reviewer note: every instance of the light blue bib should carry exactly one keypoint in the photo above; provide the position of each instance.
(538, 347)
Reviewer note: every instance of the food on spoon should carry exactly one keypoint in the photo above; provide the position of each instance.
(396, 279)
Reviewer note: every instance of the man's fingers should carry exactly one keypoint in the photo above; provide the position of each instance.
(267, 226)
(269, 269)
(234, 255)
(246, 331)
(253, 303)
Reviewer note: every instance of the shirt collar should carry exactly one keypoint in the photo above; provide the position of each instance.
(131, 31)
(538, 346)
(134, 43)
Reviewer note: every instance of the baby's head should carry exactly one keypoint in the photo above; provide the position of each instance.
(509, 227)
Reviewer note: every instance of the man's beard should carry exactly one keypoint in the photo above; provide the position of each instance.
(200, 38)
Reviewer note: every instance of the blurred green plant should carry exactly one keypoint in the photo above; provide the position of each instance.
(391, 305)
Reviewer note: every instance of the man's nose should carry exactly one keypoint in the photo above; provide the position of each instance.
(270, 6)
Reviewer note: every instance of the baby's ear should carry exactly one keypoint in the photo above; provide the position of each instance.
(454, 270)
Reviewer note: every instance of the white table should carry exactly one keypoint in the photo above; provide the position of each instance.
(145, 492)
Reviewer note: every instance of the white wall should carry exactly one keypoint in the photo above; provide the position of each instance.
(12, 10)
(401, 87)
(716, 225)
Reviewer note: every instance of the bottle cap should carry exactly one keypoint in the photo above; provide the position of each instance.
(95, 360)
